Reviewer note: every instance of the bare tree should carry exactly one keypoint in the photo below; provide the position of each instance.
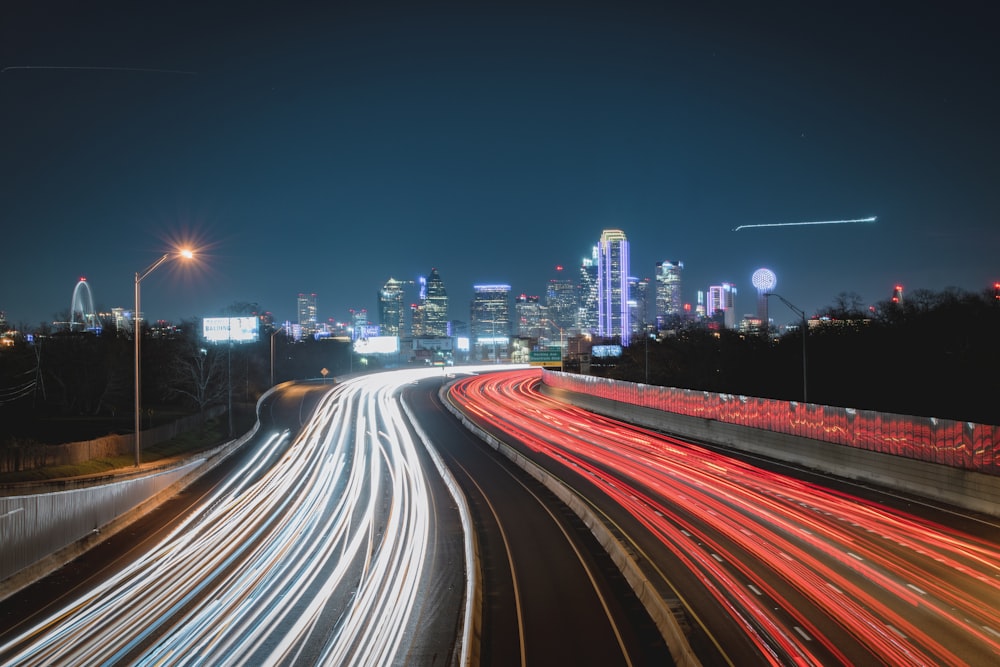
(198, 373)
(846, 306)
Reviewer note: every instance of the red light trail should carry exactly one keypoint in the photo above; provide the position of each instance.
(809, 573)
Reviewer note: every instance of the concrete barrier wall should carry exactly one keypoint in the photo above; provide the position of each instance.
(34, 526)
(947, 442)
(968, 489)
(29, 457)
(48, 524)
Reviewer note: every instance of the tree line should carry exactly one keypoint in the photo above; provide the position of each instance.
(934, 354)
(85, 382)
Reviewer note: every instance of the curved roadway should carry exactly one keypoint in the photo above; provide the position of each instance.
(772, 570)
(329, 546)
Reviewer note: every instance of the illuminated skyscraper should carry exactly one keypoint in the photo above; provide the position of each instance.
(391, 316)
(638, 304)
(612, 286)
(434, 309)
(307, 313)
(722, 298)
(586, 314)
(530, 314)
(491, 320)
(668, 293)
(562, 300)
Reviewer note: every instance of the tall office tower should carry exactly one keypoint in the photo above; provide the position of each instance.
(586, 314)
(391, 316)
(491, 319)
(307, 313)
(359, 317)
(722, 298)
(668, 293)
(531, 319)
(639, 304)
(434, 308)
(120, 318)
(612, 286)
(562, 300)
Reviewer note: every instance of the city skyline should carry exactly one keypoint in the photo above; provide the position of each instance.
(307, 308)
(323, 149)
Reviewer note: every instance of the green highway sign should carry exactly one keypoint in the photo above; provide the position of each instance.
(545, 357)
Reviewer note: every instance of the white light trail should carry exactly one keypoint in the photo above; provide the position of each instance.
(799, 224)
(338, 525)
(148, 70)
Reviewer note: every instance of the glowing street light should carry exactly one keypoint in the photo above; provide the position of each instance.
(184, 253)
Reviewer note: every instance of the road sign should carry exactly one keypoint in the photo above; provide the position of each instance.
(548, 357)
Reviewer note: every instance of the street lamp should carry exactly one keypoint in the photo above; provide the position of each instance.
(800, 313)
(137, 333)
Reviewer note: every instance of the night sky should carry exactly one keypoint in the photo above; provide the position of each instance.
(324, 147)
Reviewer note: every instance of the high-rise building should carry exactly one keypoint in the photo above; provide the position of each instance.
(638, 305)
(586, 314)
(391, 315)
(562, 299)
(434, 308)
(307, 313)
(120, 318)
(668, 293)
(613, 319)
(722, 298)
(530, 316)
(490, 320)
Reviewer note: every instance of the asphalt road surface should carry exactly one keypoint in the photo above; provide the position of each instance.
(551, 595)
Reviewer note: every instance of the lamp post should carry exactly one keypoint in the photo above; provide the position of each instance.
(800, 313)
(280, 329)
(137, 334)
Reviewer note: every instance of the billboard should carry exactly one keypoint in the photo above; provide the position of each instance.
(235, 329)
(606, 351)
(377, 345)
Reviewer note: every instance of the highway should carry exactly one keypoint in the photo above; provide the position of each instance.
(772, 569)
(549, 592)
(333, 543)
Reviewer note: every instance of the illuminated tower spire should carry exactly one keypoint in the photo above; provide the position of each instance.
(612, 286)
(763, 281)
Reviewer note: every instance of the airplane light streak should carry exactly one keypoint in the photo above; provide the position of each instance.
(795, 224)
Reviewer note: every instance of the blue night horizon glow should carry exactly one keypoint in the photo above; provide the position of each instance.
(327, 149)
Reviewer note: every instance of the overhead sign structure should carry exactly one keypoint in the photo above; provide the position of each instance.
(545, 358)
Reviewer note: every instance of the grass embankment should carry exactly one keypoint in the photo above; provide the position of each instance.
(210, 434)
